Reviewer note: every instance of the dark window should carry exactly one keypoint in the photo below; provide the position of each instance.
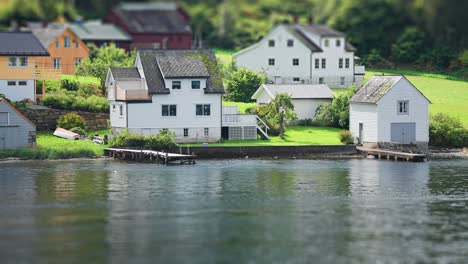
(169, 110)
(185, 132)
(338, 42)
(403, 107)
(203, 109)
(321, 80)
(342, 79)
(175, 84)
(347, 63)
(290, 43)
(67, 42)
(340, 63)
(317, 63)
(195, 84)
(121, 110)
(326, 42)
(295, 62)
(271, 43)
(324, 63)
(271, 62)
(11, 83)
(296, 79)
(206, 131)
(113, 106)
(22, 83)
(24, 61)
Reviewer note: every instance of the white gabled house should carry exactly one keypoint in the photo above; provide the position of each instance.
(16, 130)
(306, 98)
(308, 54)
(387, 111)
(180, 90)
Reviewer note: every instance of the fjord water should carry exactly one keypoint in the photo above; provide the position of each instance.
(235, 211)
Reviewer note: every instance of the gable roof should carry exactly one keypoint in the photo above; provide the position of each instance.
(156, 17)
(160, 64)
(296, 91)
(99, 31)
(125, 73)
(3, 100)
(377, 87)
(21, 43)
(48, 35)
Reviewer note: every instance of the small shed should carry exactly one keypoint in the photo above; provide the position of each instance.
(16, 130)
(305, 97)
(387, 111)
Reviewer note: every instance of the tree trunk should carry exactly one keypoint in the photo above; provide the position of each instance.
(281, 126)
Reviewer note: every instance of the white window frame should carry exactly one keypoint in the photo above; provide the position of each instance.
(342, 80)
(271, 62)
(321, 80)
(317, 63)
(271, 43)
(186, 132)
(340, 63)
(67, 42)
(206, 132)
(203, 113)
(12, 83)
(324, 63)
(12, 62)
(199, 84)
(347, 60)
(57, 64)
(338, 42)
(290, 43)
(22, 83)
(179, 85)
(168, 110)
(21, 62)
(121, 110)
(403, 107)
(295, 62)
(78, 62)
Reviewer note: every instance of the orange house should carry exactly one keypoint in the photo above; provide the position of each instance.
(65, 48)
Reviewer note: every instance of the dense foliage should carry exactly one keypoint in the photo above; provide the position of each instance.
(163, 141)
(335, 114)
(345, 137)
(447, 131)
(241, 84)
(72, 120)
(67, 101)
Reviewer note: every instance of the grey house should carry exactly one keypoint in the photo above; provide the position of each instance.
(16, 130)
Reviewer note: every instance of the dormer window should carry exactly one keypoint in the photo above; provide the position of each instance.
(196, 85)
(338, 42)
(326, 43)
(176, 85)
(403, 107)
(271, 43)
(290, 43)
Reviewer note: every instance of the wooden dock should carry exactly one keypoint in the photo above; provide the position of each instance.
(149, 156)
(393, 155)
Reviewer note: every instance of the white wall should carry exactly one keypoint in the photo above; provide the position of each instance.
(305, 108)
(366, 114)
(418, 111)
(16, 133)
(263, 98)
(116, 119)
(17, 93)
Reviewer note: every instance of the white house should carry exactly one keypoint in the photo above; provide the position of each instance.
(306, 98)
(16, 130)
(179, 90)
(389, 109)
(311, 54)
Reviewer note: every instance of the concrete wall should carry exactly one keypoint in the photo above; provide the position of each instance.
(46, 119)
(268, 151)
(17, 93)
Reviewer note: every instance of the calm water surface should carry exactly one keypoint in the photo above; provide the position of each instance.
(254, 211)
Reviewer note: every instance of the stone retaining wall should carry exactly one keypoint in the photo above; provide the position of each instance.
(268, 151)
(46, 119)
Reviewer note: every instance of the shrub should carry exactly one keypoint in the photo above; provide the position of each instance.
(345, 137)
(164, 140)
(69, 101)
(242, 84)
(447, 131)
(70, 84)
(58, 101)
(79, 131)
(71, 120)
(335, 114)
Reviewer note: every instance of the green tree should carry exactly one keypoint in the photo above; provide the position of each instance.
(282, 111)
(242, 83)
(335, 114)
(108, 56)
(410, 45)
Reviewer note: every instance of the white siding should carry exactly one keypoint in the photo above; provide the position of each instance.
(263, 98)
(366, 114)
(305, 108)
(418, 111)
(116, 119)
(18, 130)
(17, 92)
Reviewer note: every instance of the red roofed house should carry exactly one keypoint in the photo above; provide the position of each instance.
(156, 25)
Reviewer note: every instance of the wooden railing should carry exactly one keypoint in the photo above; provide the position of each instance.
(47, 73)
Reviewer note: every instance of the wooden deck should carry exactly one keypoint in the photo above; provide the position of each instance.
(149, 156)
(395, 155)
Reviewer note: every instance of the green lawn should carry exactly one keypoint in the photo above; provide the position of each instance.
(51, 147)
(294, 136)
(242, 107)
(447, 94)
(224, 55)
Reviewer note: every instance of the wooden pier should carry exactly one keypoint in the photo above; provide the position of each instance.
(392, 155)
(149, 156)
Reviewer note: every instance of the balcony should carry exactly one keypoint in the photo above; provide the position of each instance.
(131, 95)
(359, 70)
(47, 73)
(239, 120)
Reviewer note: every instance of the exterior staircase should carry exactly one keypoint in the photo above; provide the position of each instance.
(262, 127)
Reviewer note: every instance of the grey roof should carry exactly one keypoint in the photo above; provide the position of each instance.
(300, 91)
(375, 89)
(304, 39)
(97, 31)
(125, 73)
(320, 30)
(49, 34)
(21, 43)
(160, 64)
(152, 18)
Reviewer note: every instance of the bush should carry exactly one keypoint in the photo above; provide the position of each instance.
(242, 84)
(335, 114)
(79, 131)
(70, 84)
(163, 141)
(58, 101)
(345, 137)
(447, 131)
(68, 101)
(71, 120)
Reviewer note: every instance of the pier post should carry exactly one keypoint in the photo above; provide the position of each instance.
(166, 159)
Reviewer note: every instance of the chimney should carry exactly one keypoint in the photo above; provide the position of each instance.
(310, 20)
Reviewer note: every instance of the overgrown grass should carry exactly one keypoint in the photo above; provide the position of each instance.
(447, 95)
(242, 107)
(54, 85)
(294, 136)
(51, 147)
(225, 56)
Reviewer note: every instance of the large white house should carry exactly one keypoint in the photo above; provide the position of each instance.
(311, 54)
(179, 90)
(306, 98)
(389, 110)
